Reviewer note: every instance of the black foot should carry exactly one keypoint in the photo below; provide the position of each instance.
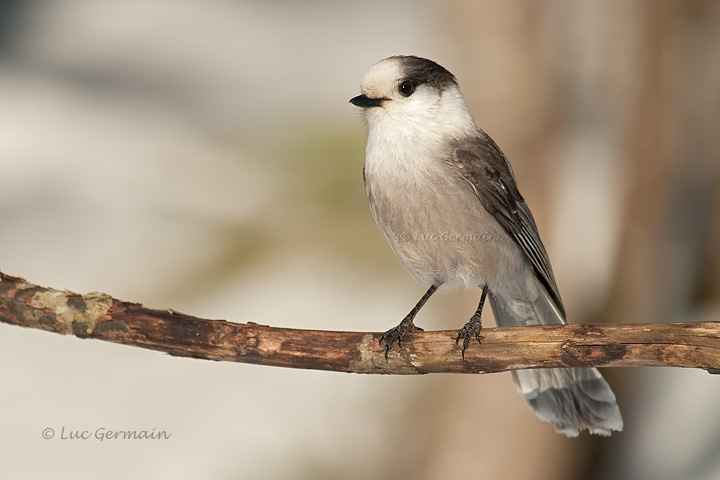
(471, 329)
(396, 334)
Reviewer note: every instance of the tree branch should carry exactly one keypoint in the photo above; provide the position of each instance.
(101, 317)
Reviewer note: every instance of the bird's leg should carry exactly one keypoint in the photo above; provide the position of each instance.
(473, 327)
(396, 334)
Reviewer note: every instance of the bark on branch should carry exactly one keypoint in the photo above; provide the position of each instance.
(99, 316)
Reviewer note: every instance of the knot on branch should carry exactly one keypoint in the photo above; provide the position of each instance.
(582, 354)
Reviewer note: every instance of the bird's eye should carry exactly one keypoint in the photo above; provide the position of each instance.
(406, 89)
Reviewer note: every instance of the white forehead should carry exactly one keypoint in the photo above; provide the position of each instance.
(383, 76)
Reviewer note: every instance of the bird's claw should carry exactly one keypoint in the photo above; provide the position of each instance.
(471, 329)
(396, 334)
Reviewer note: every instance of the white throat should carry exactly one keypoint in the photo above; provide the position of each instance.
(409, 138)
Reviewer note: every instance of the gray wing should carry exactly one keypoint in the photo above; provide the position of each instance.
(480, 162)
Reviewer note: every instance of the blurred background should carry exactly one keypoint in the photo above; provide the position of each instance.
(202, 156)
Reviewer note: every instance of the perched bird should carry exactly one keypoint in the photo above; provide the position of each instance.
(445, 197)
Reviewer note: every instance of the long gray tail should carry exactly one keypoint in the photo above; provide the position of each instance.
(572, 399)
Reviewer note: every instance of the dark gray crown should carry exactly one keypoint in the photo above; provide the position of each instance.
(420, 70)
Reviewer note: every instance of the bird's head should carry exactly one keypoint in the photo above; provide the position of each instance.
(406, 91)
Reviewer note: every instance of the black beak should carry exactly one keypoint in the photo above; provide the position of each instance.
(366, 102)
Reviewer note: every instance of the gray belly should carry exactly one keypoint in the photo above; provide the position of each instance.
(441, 232)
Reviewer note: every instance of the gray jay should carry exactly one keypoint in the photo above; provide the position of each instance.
(446, 200)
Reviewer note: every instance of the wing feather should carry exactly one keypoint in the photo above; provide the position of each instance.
(484, 166)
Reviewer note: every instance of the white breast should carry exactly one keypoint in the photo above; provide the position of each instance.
(430, 215)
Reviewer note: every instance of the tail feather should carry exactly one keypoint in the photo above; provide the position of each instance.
(572, 399)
